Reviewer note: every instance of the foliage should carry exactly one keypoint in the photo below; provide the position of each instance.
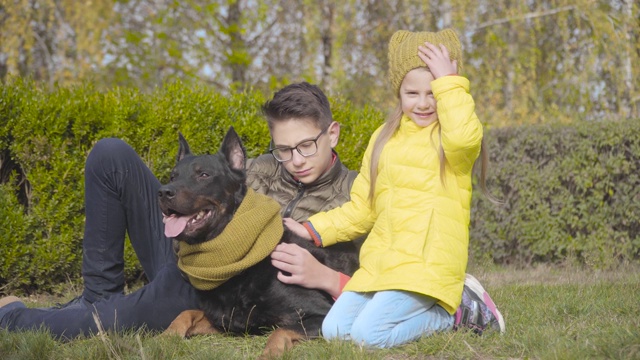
(569, 192)
(48, 135)
(529, 61)
(53, 41)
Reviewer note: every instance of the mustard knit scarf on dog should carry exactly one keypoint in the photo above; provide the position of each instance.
(252, 234)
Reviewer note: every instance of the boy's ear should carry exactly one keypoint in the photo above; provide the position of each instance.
(334, 134)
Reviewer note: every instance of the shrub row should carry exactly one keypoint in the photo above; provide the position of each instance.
(568, 191)
(45, 138)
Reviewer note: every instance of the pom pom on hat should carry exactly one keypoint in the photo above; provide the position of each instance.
(403, 51)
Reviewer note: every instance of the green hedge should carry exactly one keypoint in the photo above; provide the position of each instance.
(570, 191)
(45, 138)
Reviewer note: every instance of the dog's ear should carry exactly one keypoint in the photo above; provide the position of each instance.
(183, 150)
(233, 150)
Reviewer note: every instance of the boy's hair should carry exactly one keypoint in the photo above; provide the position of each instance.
(299, 101)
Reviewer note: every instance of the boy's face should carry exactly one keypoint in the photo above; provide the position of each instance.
(418, 102)
(291, 133)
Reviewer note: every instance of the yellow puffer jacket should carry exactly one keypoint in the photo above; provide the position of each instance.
(418, 229)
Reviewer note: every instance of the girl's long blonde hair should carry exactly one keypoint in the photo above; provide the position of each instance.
(392, 124)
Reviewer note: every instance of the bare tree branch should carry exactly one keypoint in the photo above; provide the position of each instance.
(48, 56)
(522, 17)
(213, 31)
(266, 31)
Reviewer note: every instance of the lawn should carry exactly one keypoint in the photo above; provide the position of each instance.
(550, 313)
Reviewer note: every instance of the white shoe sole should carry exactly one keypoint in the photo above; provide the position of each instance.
(474, 285)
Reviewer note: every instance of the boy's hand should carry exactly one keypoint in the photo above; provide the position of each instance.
(296, 228)
(437, 59)
(304, 269)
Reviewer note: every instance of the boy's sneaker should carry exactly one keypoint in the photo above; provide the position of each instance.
(477, 311)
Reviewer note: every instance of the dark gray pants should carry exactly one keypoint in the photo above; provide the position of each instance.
(120, 197)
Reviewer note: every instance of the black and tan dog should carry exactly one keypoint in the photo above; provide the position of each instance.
(225, 234)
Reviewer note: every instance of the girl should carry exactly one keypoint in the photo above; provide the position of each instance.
(412, 196)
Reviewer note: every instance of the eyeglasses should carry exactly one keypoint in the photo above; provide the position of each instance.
(305, 148)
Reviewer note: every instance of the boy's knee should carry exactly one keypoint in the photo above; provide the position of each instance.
(106, 150)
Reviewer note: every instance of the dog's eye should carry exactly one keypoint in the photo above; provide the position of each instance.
(204, 175)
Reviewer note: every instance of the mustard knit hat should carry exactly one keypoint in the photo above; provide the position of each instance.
(403, 51)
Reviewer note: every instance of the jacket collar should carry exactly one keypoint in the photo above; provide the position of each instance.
(408, 126)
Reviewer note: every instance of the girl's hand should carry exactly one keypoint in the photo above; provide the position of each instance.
(296, 228)
(437, 59)
(303, 269)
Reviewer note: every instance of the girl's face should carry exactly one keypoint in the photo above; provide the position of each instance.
(416, 98)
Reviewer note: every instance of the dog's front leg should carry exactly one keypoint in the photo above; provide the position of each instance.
(280, 341)
(189, 323)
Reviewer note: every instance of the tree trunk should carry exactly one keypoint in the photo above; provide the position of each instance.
(237, 44)
(626, 103)
(328, 8)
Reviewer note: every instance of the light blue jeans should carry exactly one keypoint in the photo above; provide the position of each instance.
(384, 319)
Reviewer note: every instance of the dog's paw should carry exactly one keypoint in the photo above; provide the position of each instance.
(280, 341)
(189, 323)
(176, 329)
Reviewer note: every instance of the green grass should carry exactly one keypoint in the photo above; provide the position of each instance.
(550, 313)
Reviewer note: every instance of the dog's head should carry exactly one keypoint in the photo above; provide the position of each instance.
(204, 191)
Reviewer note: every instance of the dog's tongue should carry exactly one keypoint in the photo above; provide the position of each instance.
(174, 225)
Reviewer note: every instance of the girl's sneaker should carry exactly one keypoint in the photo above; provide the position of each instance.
(477, 311)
